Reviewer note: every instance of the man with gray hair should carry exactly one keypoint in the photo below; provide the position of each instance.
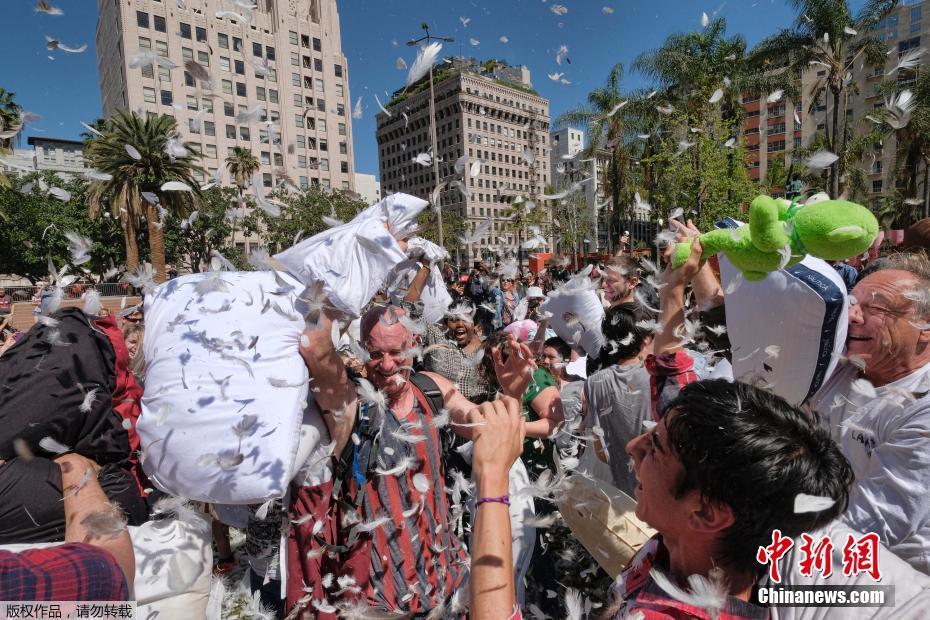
(878, 405)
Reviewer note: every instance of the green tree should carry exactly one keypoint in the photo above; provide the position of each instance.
(828, 36)
(605, 118)
(241, 164)
(34, 230)
(572, 223)
(191, 243)
(301, 216)
(520, 218)
(131, 178)
(10, 127)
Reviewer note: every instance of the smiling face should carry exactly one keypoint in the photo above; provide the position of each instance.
(883, 328)
(460, 331)
(506, 284)
(390, 361)
(552, 361)
(132, 344)
(658, 471)
(618, 286)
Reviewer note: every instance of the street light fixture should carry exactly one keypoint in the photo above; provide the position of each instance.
(432, 117)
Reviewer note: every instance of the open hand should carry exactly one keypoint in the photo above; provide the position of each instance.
(498, 439)
(515, 373)
(684, 274)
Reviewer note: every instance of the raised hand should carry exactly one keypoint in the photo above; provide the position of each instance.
(514, 365)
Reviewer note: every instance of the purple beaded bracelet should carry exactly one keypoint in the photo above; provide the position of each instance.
(503, 499)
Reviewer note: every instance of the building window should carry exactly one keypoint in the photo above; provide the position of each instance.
(142, 19)
(318, 65)
(299, 120)
(240, 89)
(776, 146)
(203, 58)
(148, 94)
(308, 82)
(319, 85)
(295, 79)
(160, 25)
(344, 149)
(266, 179)
(340, 92)
(185, 30)
(187, 53)
(207, 104)
(269, 52)
(278, 159)
(272, 95)
(209, 128)
(257, 49)
(292, 37)
(324, 145)
(324, 164)
(224, 63)
(231, 132)
(321, 126)
(193, 126)
(192, 103)
(265, 157)
(342, 129)
(244, 133)
(338, 69)
(161, 48)
(164, 74)
(227, 87)
(210, 151)
(223, 41)
(228, 109)
(237, 44)
(877, 186)
(776, 129)
(145, 43)
(201, 34)
(320, 105)
(797, 142)
(344, 166)
(166, 97)
(260, 93)
(303, 182)
(240, 66)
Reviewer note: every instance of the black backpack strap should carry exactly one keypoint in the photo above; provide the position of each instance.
(430, 390)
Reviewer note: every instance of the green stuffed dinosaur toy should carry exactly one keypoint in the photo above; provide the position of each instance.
(781, 233)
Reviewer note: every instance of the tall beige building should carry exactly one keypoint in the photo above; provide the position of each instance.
(286, 56)
(489, 113)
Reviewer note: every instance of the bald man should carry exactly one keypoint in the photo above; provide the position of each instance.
(402, 554)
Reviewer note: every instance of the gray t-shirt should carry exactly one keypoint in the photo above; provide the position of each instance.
(618, 402)
(571, 407)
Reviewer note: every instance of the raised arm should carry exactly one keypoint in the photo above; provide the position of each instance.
(548, 406)
(498, 443)
(330, 385)
(83, 499)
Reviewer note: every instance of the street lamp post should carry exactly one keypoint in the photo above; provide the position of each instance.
(432, 118)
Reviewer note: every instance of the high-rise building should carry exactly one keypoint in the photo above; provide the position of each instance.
(64, 157)
(487, 113)
(367, 187)
(773, 130)
(284, 56)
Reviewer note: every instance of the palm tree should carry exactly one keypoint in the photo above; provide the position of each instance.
(605, 119)
(827, 35)
(10, 127)
(242, 164)
(913, 151)
(131, 178)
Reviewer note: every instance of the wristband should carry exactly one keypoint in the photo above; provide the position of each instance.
(503, 499)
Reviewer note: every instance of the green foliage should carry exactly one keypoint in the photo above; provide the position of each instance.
(189, 246)
(36, 225)
(301, 217)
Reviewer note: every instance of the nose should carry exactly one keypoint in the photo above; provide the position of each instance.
(636, 448)
(387, 363)
(855, 314)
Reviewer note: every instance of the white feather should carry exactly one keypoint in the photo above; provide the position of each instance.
(133, 152)
(51, 445)
(426, 58)
(821, 160)
(811, 503)
(708, 594)
(176, 186)
(89, 399)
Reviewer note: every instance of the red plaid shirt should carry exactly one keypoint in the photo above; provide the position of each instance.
(641, 595)
(669, 373)
(69, 572)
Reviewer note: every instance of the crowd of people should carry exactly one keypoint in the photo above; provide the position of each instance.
(457, 446)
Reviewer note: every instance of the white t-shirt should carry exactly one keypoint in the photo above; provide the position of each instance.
(887, 441)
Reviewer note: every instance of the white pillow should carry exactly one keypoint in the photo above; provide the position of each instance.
(577, 313)
(353, 260)
(788, 329)
(224, 383)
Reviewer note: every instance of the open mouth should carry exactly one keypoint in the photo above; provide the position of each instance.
(459, 333)
(858, 338)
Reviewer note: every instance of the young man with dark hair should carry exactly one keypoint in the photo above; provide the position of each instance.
(620, 279)
(716, 476)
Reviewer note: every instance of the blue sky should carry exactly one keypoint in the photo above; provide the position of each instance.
(65, 90)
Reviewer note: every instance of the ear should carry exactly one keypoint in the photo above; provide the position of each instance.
(710, 517)
(634, 281)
